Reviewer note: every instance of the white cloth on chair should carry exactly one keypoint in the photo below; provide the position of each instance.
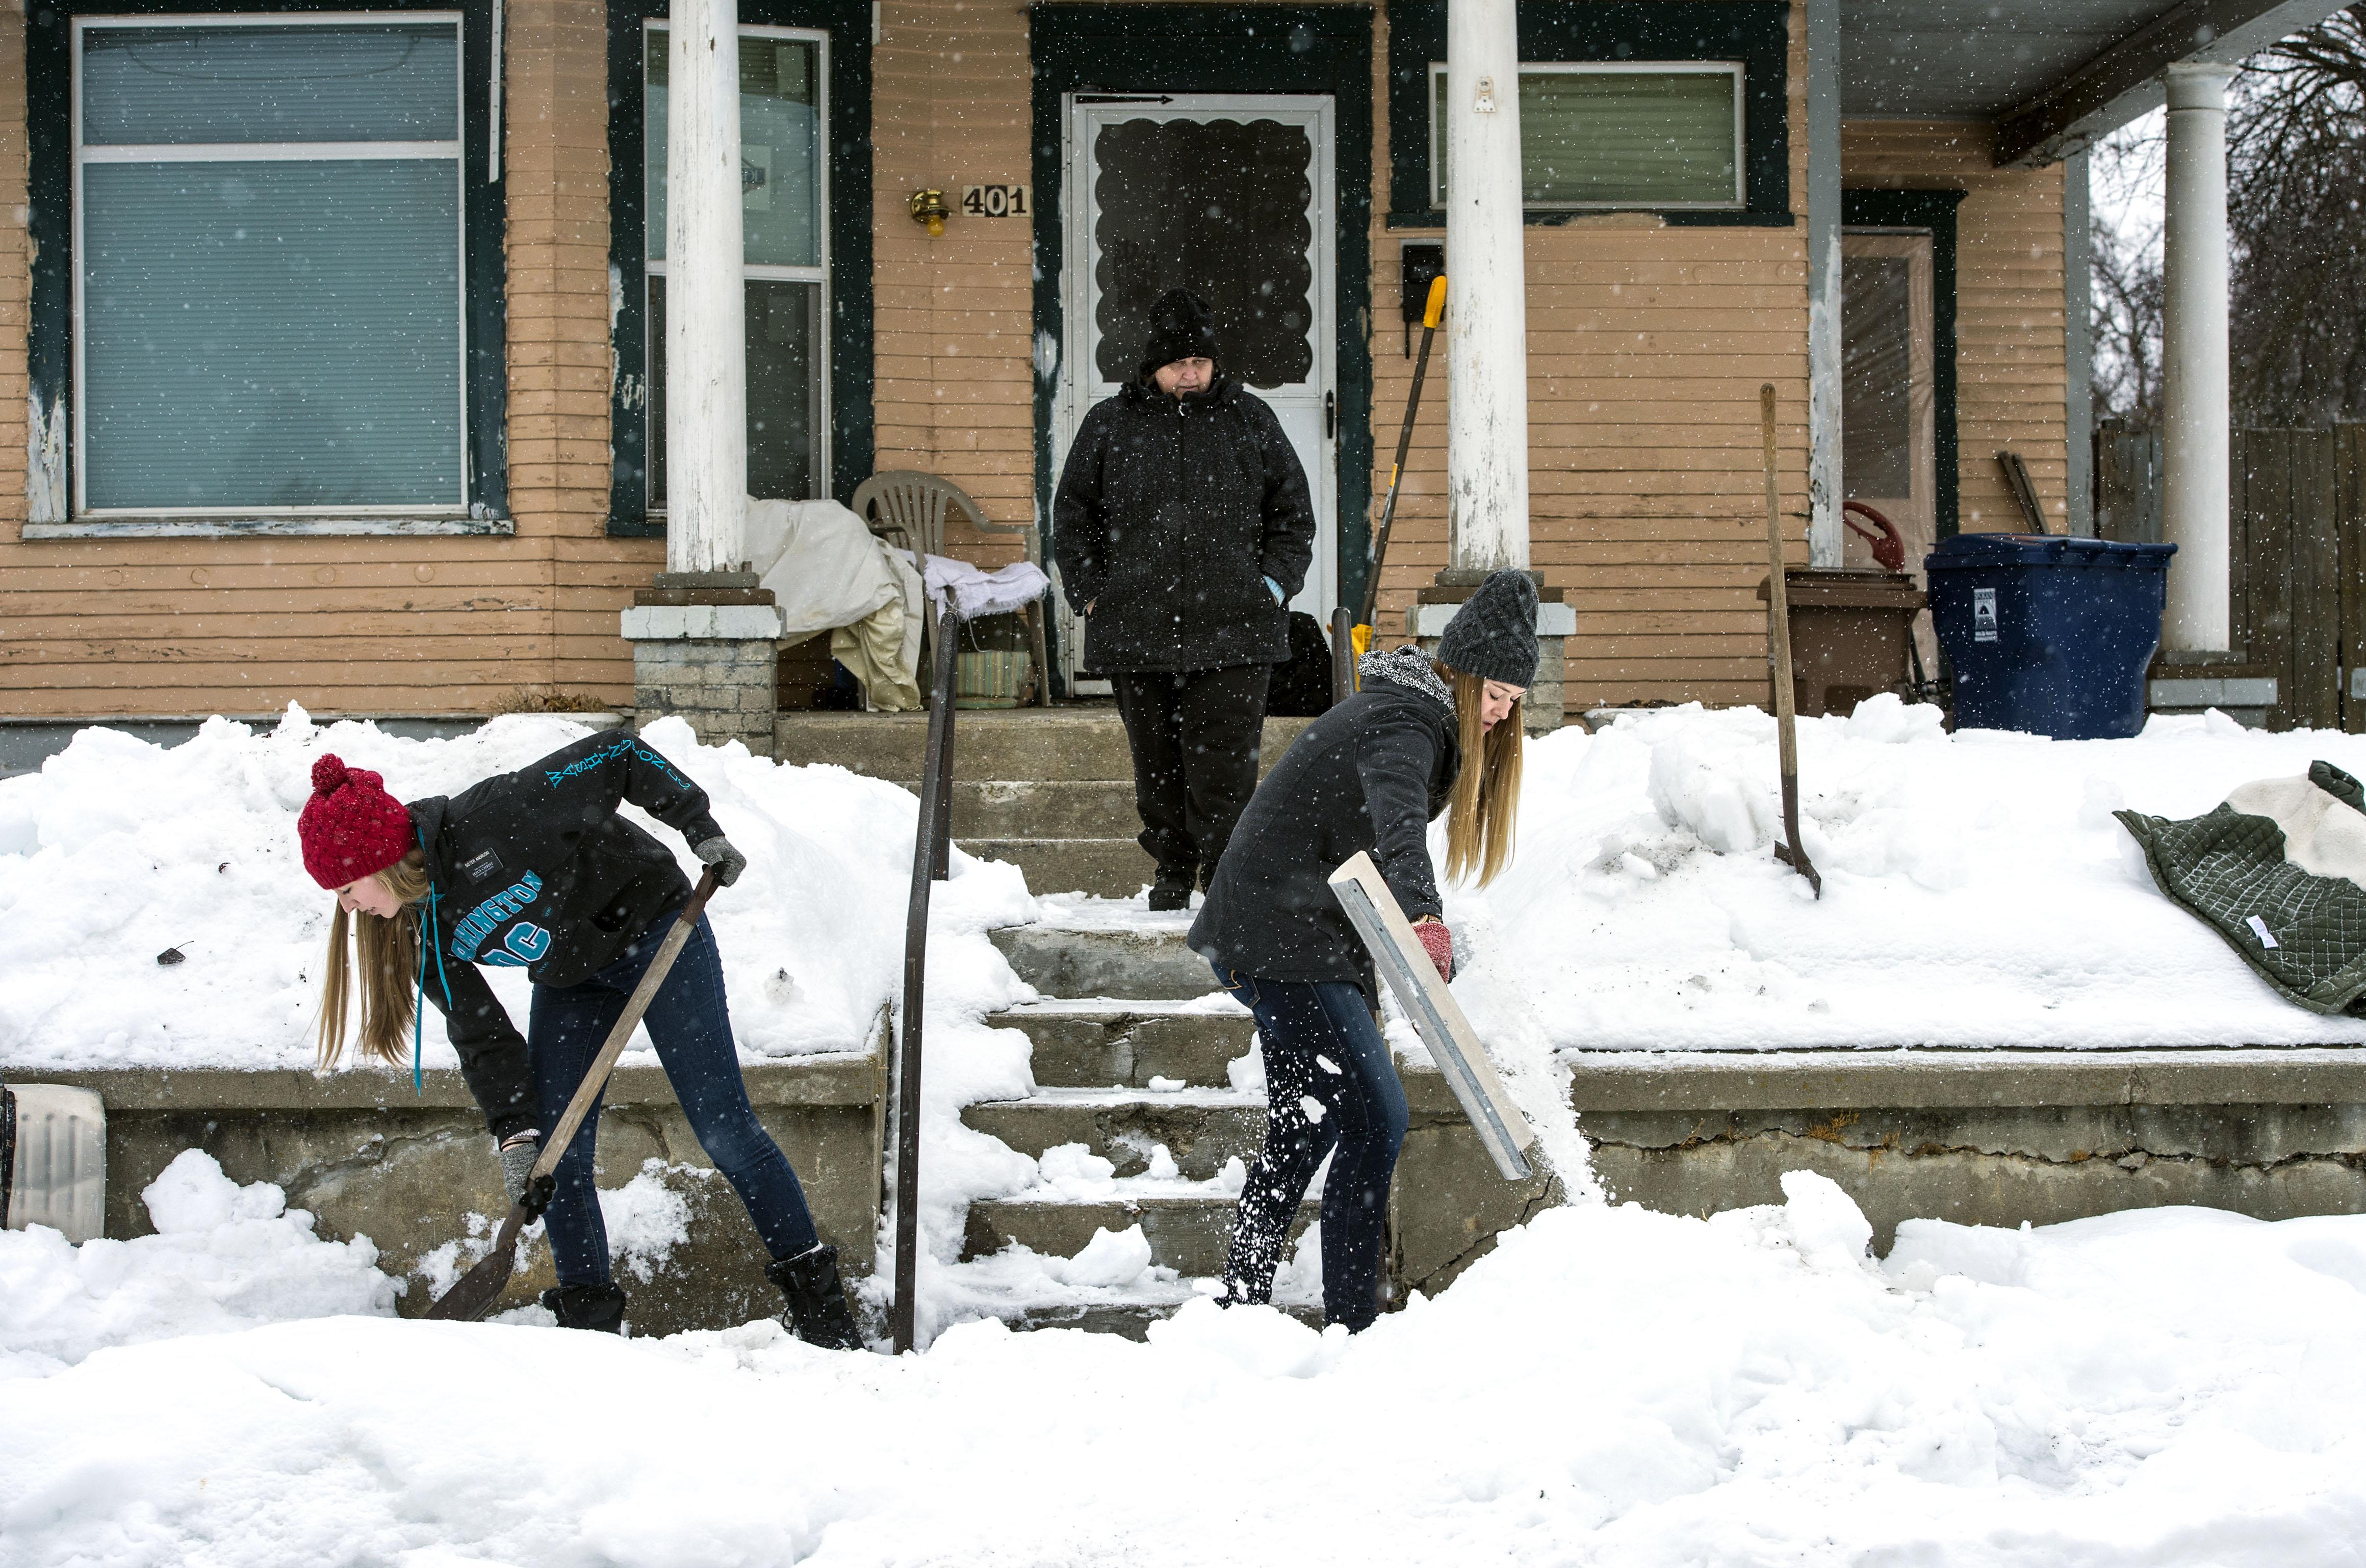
(829, 572)
(980, 592)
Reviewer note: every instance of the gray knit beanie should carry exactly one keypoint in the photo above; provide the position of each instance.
(1494, 637)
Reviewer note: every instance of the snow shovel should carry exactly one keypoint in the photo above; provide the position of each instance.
(1778, 639)
(1398, 955)
(478, 1289)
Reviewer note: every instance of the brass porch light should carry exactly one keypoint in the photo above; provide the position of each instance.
(929, 207)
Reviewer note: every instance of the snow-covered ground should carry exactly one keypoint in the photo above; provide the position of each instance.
(1611, 1386)
(118, 851)
(1977, 892)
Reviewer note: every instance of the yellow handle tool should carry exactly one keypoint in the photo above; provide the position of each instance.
(1433, 313)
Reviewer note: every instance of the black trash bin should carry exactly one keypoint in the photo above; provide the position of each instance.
(2048, 636)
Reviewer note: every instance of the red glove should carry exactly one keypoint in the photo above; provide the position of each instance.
(1438, 942)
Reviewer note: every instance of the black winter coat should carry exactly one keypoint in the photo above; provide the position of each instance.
(1170, 515)
(536, 871)
(1369, 775)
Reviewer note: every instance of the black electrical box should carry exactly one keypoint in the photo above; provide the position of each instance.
(1421, 261)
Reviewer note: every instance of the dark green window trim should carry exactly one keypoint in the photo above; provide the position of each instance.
(848, 23)
(48, 111)
(1933, 212)
(1756, 32)
(1224, 49)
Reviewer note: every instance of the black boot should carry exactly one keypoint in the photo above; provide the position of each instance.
(1172, 889)
(600, 1309)
(818, 1311)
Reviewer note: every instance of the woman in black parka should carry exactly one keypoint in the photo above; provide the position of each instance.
(536, 870)
(1420, 736)
(1182, 527)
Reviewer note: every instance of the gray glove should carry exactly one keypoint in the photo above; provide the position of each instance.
(518, 1156)
(727, 861)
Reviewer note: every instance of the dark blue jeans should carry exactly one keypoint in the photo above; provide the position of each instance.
(689, 1023)
(1320, 1045)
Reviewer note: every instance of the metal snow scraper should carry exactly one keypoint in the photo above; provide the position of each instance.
(1461, 1060)
(482, 1286)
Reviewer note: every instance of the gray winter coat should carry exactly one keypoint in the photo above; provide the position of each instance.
(1170, 515)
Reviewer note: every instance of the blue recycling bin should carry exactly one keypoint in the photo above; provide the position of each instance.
(2048, 636)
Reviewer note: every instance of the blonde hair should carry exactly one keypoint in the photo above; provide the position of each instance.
(1485, 801)
(386, 953)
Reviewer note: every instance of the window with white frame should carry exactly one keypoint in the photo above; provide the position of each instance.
(785, 200)
(268, 270)
(1659, 134)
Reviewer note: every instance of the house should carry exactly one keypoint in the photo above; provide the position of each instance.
(340, 375)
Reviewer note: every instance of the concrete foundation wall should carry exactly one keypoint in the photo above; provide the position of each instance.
(1977, 1137)
(366, 1157)
(1987, 1137)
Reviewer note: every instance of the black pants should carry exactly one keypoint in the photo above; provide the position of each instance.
(1195, 736)
(1330, 1088)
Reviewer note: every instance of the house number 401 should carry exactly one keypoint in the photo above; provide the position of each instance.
(995, 201)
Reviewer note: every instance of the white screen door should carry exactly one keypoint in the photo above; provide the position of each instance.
(1228, 196)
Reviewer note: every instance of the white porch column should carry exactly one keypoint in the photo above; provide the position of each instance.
(1487, 302)
(1824, 320)
(706, 370)
(2194, 481)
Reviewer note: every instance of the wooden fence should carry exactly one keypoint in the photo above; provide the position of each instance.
(2299, 557)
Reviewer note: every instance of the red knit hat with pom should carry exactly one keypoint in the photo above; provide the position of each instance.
(351, 827)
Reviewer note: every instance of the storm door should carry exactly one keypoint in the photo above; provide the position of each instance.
(1888, 453)
(1230, 196)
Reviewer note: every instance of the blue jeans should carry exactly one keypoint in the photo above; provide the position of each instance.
(1320, 1043)
(690, 1024)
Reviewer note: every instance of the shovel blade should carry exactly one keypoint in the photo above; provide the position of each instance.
(473, 1293)
(1798, 860)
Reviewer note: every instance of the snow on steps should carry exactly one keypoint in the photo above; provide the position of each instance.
(1135, 1056)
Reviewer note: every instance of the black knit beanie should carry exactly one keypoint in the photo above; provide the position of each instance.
(1181, 327)
(1493, 635)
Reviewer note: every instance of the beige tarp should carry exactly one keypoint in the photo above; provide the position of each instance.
(829, 573)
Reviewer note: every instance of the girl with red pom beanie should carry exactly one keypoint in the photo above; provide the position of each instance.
(536, 871)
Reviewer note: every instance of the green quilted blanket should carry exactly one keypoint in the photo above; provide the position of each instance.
(2255, 869)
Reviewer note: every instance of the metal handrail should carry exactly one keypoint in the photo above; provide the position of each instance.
(931, 853)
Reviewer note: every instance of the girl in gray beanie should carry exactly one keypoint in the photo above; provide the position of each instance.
(1423, 736)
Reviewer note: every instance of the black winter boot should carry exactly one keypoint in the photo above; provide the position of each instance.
(600, 1309)
(817, 1310)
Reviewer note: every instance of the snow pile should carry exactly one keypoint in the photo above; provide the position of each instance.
(118, 849)
(2157, 1389)
(1977, 889)
(224, 1257)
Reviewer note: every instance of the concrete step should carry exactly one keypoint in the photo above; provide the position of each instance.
(1131, 1320)
(1202, 1128)
(1108, 868)
(1049, 808)
(1082, 1045)
(1148, 965)
(1084, 743)
(1187, 1234)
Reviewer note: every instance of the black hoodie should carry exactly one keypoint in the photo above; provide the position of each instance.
(536, 871)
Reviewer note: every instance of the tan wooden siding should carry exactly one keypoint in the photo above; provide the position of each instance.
(954, 316)
(2009, 357)
(364, 626)
(1647, 346)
